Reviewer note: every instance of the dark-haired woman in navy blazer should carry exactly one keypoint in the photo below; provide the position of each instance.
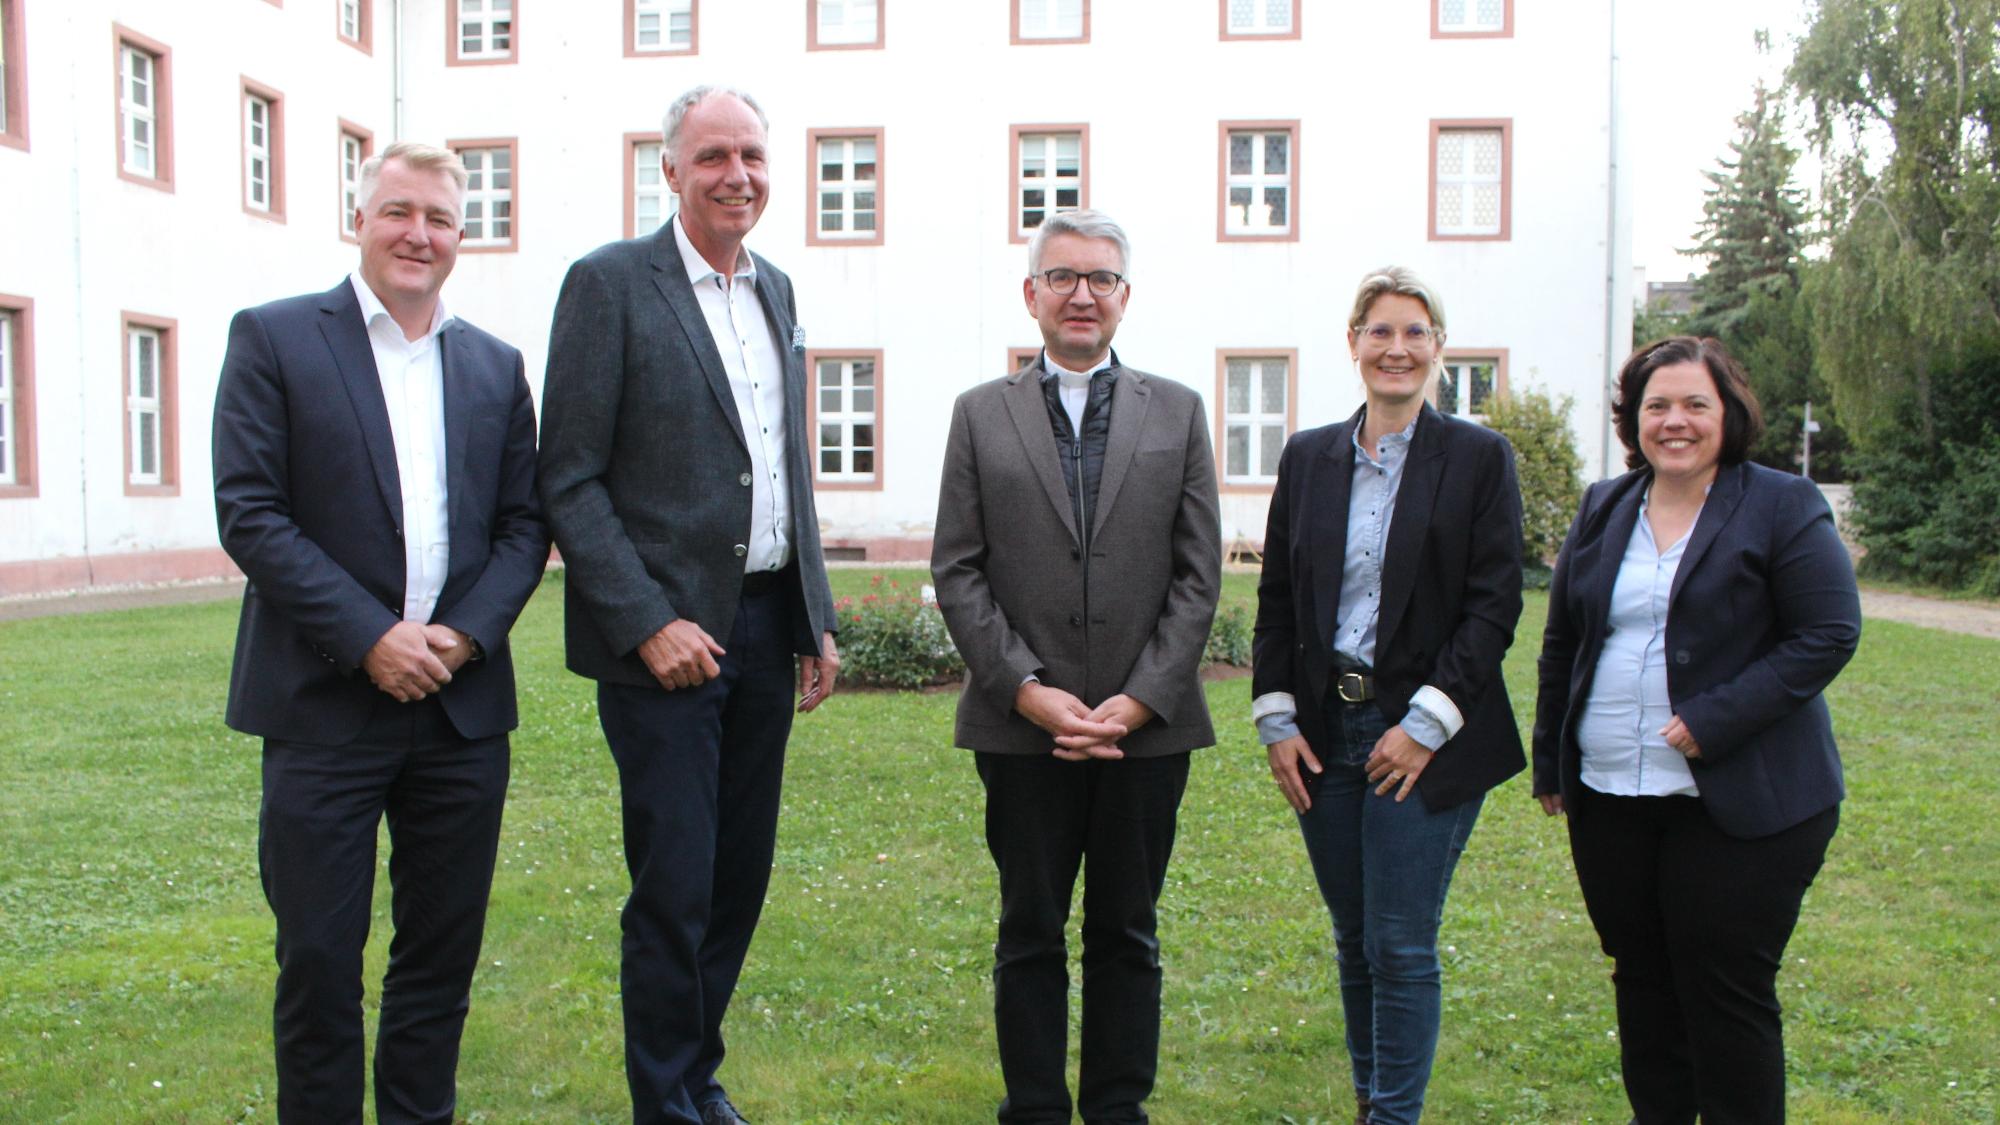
(1699, 607)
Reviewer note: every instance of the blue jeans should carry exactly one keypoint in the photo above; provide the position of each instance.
(1383, 868)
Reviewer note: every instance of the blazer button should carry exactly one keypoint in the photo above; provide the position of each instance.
(1682, 657)
(744, 480)
(741, 550)
(1076, 619)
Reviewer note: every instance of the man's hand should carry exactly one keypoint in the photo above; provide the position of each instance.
(681, 655)
(1119, 711)
(1397, 760)
(817, 674)
(449, 645)
(402, 663)
(1286, 754)
(1077, 734)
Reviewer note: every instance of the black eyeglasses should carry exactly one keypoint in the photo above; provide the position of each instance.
(1062, 282)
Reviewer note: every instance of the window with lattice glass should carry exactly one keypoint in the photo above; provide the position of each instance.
(1469, 181)
(1259, 17)
(847, 21)
(489, 196)
(485, 29)
(1051, 19)
(144, 404)
(653, 202)
(662, 25)
(353, 152)
(1471, 15)
(139, 110)
(1051, 177)
(257, 144)
(1259, 183)
(350, 20)
(1254, 392)
(1466, 386)
(848, 406)
(846, 187)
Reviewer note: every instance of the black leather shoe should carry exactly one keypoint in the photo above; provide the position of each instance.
(720, 1112)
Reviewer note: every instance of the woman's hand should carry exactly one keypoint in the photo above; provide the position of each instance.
(1552, 803)
(1397, 760)
(1677, 736)
(1285, 755)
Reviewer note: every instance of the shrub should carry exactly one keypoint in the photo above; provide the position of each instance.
(1229, 637)
(892, 639)
(1546, 461)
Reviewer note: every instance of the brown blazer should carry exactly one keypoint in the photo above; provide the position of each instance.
(1019, 594)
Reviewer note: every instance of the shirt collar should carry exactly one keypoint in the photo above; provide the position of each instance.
(372, 308)
(1074, 379)
(1391, 442)
(698, 269)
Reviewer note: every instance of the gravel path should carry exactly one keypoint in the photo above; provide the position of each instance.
(1977, 618)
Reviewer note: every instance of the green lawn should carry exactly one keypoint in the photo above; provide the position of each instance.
(135, 947)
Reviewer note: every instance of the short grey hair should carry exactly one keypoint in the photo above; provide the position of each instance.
(677, 111)
(1400, 280)
(414, 155)
(1084, 224)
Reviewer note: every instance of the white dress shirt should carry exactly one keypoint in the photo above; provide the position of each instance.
(412, 375)
(1619, 732)
(750, 357)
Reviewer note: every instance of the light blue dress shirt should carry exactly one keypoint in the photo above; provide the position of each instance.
(1619, 732)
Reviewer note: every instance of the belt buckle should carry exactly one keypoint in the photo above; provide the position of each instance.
(1340, 687)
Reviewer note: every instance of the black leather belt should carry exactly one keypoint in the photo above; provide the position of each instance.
(758, 583)
(1354, 687)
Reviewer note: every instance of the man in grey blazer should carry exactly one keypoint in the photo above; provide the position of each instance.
(1077, 559)
(676, 478)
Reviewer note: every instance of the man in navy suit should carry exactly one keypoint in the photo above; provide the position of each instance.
(374, 479)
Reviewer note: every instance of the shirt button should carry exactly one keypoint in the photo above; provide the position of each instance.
(741, 550)
(744, 480)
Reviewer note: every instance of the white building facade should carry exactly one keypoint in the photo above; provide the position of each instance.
(178, 160)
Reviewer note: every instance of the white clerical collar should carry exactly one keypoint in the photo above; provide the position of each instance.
(698, 269)
(1073, 379)
(372, 306)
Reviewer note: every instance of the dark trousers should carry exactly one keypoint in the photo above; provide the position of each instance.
(699, 772)
(1044, 818)
(316, 836)
(1697, 922)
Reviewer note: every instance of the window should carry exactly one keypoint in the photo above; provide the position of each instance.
(649, 202)
(1472, 19)
(1260, 19)
(1017, 358)
(845, 196)
(263, 151)
(834, 24)
(659, 26)
(356, 146)
(1470, 381)
(1256, 389)
(17, 396)
(13, 77)
(1051, 21)
(1050, 168)
(354, 22)
(1470, 194)
(492, 217)
(479, 31)
(847, 418)
(1260, 180)
(151, 454)
(145, 111)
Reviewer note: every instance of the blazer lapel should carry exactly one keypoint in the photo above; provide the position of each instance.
(1328, 536)
(1129, 397)
(1601, 570)
(1416, 499)
(459, 405)
(1030, 412)
(354, 358)
(1723, 496)
(670, 277)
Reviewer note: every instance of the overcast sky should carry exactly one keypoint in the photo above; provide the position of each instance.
(1689, 68)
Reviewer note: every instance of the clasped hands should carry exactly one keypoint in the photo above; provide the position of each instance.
(682, 655)
(1081, 732)
(414, 660)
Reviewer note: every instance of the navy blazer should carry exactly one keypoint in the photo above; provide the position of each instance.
(1451, 591)
(1761, 616)
(309, 505)
(644, 473)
